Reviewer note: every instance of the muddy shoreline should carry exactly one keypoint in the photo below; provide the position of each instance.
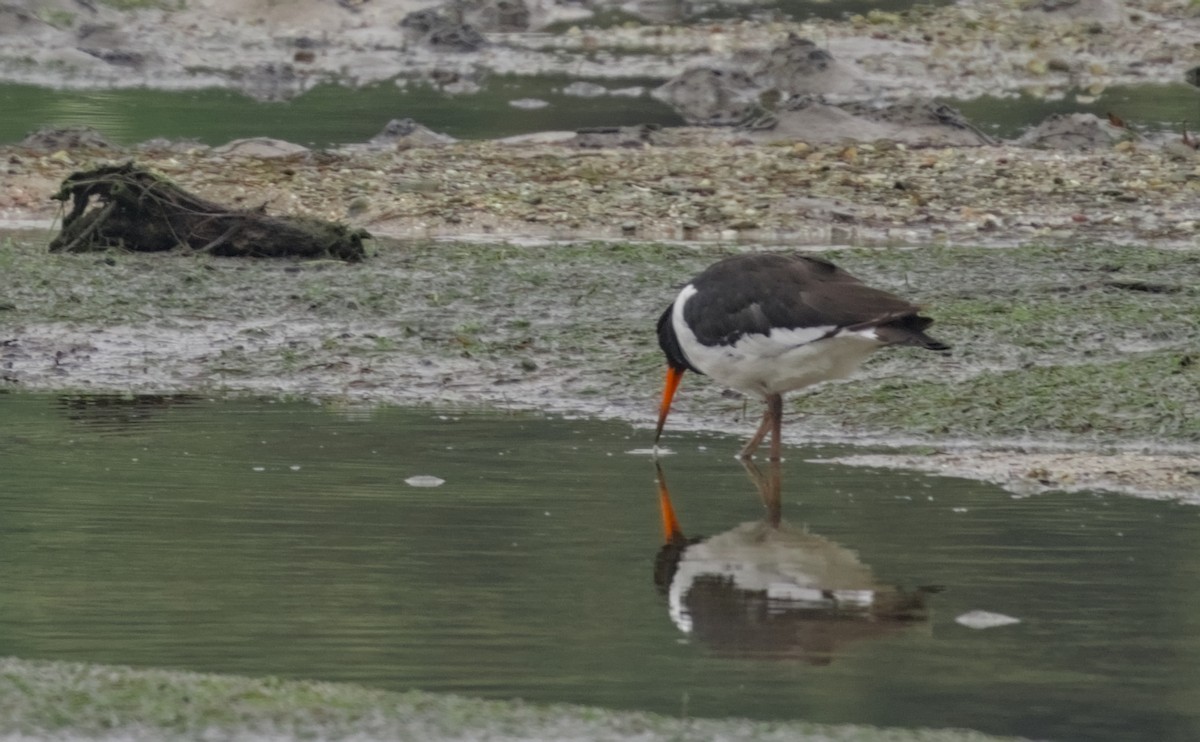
(563, 328)
(701, 186)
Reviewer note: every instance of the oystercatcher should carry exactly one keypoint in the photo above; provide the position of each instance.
(765, 324)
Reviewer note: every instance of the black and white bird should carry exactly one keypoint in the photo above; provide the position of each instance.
(766, 323)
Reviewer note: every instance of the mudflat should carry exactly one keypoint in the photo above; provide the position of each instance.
(528, 272)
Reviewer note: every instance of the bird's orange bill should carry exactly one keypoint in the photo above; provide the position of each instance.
(672, 533)
(674, 375)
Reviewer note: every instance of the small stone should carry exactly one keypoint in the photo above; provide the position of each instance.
(424, 480)
(990, 222)
(528, 104)
(985, 620)
(582, 89)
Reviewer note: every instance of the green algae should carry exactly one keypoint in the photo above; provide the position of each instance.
(1089, 343)
(82, 701)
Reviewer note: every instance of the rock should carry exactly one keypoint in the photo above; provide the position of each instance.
(504, 16)
(308, 43)
(1074, 131)
(409, 132)
(1177, 149)
(457, 82)
(117, 57)
(813, 120)
(1071, 11)
(109, 43)
(528, 104)
(269, 82)
(442, 32)
(53, 139)
(614, 136)
(710, 96)
(800, 67)
(539, 137)
(163, 145)
(659, 11)
(713, 96)
(261, 148)
(18, 21)
(455, 37)
(581, 89)
(985, 620)
(421, 22)
(107, 35)
(923, 121)
(914, 122)
(424, 480)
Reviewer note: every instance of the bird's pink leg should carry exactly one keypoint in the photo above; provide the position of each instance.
(775, 407)
(752, 444)
(771, 420)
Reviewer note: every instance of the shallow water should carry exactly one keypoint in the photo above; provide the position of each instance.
(332, 115)
(281, 538)
(326, 116)
(1145, 109)
(799, 10)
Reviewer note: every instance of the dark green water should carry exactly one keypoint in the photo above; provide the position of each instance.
(1144, 108)
(801, 10)
(281, 538)
(325, 116)
(331, 115)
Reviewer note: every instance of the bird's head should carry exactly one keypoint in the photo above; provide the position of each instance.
(677, 363)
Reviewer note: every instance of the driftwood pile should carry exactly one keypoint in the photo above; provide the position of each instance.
(140, 211)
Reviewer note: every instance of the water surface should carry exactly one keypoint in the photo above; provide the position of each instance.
(331, 115)
(1144, 108)
(326, 116)
(281, 538)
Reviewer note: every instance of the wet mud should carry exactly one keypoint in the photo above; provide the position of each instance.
(1053, 349)
(565, 328)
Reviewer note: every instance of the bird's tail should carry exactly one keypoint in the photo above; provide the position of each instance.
(908, 329)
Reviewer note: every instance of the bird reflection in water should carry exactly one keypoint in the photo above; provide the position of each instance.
(768, 589)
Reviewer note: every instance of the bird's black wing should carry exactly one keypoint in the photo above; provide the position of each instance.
(754, 294)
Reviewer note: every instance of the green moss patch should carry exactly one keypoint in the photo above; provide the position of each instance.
(1089, 342)
(1147, 396)
(79, 701)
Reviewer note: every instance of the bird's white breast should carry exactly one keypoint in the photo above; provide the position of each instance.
(780, 361)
